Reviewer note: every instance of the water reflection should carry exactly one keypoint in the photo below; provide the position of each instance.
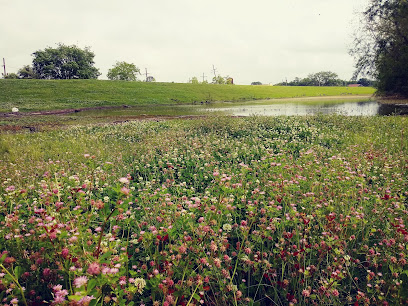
(393, 109)
(370, 108)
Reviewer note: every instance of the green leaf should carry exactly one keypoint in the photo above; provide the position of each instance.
(3, 258)
(122, 303)
(75, 297)
(93, 302)
(105, 256)
(17, 272)
(95, 293)
(178, 292)
(124, 206)
(91, 284)
(196, 296)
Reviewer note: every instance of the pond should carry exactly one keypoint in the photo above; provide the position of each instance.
(367, 108)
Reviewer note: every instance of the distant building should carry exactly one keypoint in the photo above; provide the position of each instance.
(150, 79)
(355, 85)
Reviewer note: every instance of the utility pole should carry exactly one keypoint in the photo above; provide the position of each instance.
(146, 74)
(4, 66)
(204, 77)
(214, 71)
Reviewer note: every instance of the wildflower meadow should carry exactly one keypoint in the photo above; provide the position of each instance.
(213, 211)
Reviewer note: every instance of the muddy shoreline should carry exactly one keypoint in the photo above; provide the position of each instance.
(81, 109)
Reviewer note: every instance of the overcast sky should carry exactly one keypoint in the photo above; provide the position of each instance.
(258, 40)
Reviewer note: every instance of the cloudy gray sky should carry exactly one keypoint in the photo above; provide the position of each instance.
(258, 40)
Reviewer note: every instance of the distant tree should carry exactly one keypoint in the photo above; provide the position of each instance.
(381, 46)
(324, 78)
(219, 80)
(11, 76)
(306, 82)
(65, 62)
(27, 72)
(194, 80)
(123, 71)
(365, 82)
(256, 83)
(295, 82)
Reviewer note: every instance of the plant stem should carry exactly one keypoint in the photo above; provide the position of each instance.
(98, 248)
(189, 301)
(16, 282)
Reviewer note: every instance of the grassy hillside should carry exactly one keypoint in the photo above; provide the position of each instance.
(34, 95)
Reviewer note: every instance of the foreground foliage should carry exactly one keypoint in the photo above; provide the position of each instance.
(223, 211)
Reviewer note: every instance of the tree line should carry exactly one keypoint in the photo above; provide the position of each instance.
(324, 78)
(215, 80)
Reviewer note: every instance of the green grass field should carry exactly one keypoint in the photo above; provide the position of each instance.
(37, 95)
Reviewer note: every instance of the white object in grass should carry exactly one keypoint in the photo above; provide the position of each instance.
(14, 110)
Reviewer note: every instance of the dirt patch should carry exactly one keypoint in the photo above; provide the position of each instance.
(393, 101)
(60, 111)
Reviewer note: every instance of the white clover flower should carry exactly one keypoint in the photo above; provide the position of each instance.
(124, 180)
(244, 258)
(140, 283)
(227, 227)
(14, 110)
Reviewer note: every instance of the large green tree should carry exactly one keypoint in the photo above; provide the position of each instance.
(123, 71)
(381, 46)
(65, 62)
